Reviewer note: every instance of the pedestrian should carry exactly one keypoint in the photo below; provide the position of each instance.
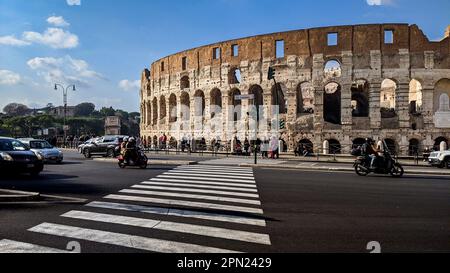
(246, 147)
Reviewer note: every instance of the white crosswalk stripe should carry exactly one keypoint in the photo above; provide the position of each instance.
(180, 189)
(171, 226)
(180, 213)
(125, 240)
(197, 186)
(192, 196)
(240, 160)
(9, 246)
(219, 202)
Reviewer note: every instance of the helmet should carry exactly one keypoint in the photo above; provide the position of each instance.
(125, 139)
(132, 139)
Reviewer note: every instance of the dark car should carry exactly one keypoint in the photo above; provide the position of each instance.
(105, 146)
(15, 157)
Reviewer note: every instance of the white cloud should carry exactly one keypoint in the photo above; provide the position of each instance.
(53, 37)
(9, 78)
(65, 70)
(12, 41)
(74, 2)
(378, 2)
(128, 85)
(57, 21)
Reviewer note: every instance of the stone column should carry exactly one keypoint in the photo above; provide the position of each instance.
(402, 104)
(374, 104)
(225, 117)
(428, 106)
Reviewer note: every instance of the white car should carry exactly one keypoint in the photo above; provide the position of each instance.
(440, 159)
(42, 147)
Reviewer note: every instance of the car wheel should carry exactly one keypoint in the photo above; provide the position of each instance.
(87, 153)
(447, 163)
(110, 153)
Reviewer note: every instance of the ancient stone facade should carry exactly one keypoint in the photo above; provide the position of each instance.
(339, 105)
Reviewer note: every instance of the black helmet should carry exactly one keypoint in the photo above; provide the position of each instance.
(369, 140)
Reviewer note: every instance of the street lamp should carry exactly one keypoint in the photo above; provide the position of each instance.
(65, 89)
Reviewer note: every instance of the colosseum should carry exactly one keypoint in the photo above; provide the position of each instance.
(335, 86)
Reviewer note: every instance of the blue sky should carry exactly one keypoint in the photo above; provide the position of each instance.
(102, 46)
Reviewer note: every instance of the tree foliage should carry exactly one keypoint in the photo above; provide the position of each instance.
(84, 109)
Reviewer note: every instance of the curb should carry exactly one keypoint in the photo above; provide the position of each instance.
(152, 162)
(341, 169)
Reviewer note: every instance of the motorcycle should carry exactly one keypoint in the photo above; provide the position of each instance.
(383, 165)
(141, 161)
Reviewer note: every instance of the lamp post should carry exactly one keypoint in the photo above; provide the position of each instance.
(65, 89)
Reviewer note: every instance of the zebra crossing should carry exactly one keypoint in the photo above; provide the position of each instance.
(189, 209)
(230, 161)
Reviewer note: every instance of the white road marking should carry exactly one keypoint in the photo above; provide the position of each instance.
(194, 196)
(9, 246)
(212, 167)
(185, 203)
(251, 195)
(251, 179)
(236, 181)
(124, 240)
(180, 213)
(214, 173)
(206, 171)
(197, 186)
(223, 233)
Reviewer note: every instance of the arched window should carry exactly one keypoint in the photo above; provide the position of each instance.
(332, 103)
(234, 76)
(199, 103)
(278, 100)
(258, 101)
(216, 103)
(184, 82)
(444, 103)
(237, 107)
(155, 111)
(360, 98)
(305, 99)
(414, 147)
(415, 97)
(162, 109)
(335, 146)
(185, 107)
(387, 98)
(172, 108)
(332, 69)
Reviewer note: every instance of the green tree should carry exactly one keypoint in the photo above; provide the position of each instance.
(84, 109)
(16, 109)
(106, 112)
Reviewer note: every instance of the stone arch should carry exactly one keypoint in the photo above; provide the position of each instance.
(334, 146)
(258, 101)
(332, 103)
(415, 96)
(172, 108)
(234, 76)
(162, 109)
(215, 102)
(305, 98)
(236, 104)
(185, 103)
(438, 141)
(441, 95)
(278, 99)
(173, 143)
(148, 113)
(392, 145)
(358, 142)
(184, 82)
(414, 147)
(199, 103)
(307, 144)
(360, 98)
(388, 98)
(155, 111)
(332, 68)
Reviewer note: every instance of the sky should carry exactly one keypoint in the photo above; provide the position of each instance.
(102, 46)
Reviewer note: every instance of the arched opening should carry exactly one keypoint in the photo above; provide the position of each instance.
(438, 142)
(387, 99)
(332, 69)
(278, 99)
(172, 108)
(199, 103)
(237, 106)
(215, 103)
(162, 109)
(332, 103)
(335, 146)
(414, 147)
(305, 99)
(184, 82)
(358, 142)
(360, 98)
(234, 76)
(148, 113)
(441, 96)
(391, 145)
(305, 147)
(258, 101)
(155, 111)
(185, 103)
(415, 97)
(173, 143)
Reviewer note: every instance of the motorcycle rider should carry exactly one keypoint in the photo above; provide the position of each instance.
(371, 151)
(131, 150)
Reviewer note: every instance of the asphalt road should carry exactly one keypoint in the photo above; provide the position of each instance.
(205, 208)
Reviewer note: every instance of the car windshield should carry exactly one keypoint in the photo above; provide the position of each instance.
(9, 145)
(40, 145)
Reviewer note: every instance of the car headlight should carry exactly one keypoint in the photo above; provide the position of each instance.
(39, 156)
(6, 157)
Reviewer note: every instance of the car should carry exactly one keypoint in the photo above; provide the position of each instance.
(105, 146)
(16, 157)
(440, 159)
(50, 153)
(81, 146)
